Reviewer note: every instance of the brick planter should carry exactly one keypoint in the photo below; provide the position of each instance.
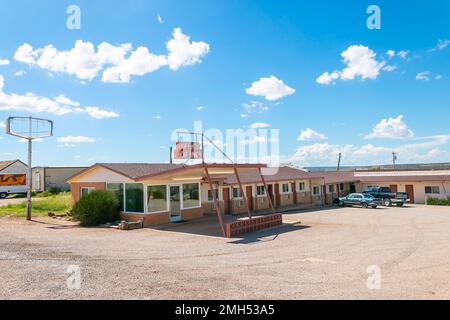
(255, 224)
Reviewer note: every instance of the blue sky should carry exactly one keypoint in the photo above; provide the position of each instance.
(391, 94)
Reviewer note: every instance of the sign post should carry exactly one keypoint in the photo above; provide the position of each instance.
(29, 128)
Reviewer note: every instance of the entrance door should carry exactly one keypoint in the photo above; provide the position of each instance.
(270, 187)
(175, 203)
(410, 191)
(249, 194)
(294, 192)
(394, 188)
(226, 200)
(277, 195)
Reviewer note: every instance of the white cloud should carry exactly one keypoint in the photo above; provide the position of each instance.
(438, 77)
(76, 139)
(200, 108)
(160, 19)
(118, 63)
(441, 45)
(391, 128)
(311, 135)
(270, 88)
(328, 78)
(360, 62)
(390, 68)
(139, 63)
(183, 52)
(157, 117)
(260, 125)
(403, 54)
(321, 154)
(253, 107)
(4, 62)
(59, 105)
(20, 73)
(423, 76)
(390, 53)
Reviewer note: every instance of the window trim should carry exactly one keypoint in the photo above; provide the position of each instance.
(316, 194)
(300, 189)
(146, 199)
(289, 188)
(208, 193)
(123, 189)
(237, 198)
(263, 189)
(199, 196)
(331, 186)
(89, 189)
(432, 187)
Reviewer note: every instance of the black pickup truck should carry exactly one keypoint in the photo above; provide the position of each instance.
(387, 197)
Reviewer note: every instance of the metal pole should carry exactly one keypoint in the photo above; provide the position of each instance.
(203, 148)
(29, 179)
(267, 191)
(339, 162)
(216, 202)
(244, 196)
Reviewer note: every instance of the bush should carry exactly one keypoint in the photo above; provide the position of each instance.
(96, 208)
(438, 201)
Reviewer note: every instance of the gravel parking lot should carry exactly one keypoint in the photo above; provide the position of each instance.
(326, 256)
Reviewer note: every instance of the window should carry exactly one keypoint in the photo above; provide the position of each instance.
(156, 198)
(285, 187)
(134, 197)
(316, 190)
(301, 186)
(432, 190)
(331, 188)
(210, 197)
(237, 193)
(84, 191)
(117, 190)
(191, 195)
(260, 191)
(341, 187)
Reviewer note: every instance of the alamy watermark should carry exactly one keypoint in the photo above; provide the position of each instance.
(373, 282)
(251, 145)
(73, 22)
(374, 20)
(73, 281)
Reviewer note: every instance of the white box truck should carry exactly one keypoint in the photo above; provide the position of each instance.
(12, 184)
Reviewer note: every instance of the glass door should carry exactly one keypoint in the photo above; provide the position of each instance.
(175, 203)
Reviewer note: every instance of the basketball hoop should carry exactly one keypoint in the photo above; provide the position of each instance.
(29, 128)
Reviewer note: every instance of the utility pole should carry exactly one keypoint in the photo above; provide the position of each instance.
(171, 157)
(339, 162)
(394, 158)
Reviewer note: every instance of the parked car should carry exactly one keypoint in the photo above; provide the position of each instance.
(359, 199)
(387, 197)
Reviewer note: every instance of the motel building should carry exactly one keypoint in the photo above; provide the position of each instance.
(419, 184)
(167, 193)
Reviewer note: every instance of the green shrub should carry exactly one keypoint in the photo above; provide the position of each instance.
(438, 201)
(54, 190)
(96, 208)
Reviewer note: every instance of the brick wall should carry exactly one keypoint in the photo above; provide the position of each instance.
(189, 214)
(149, 219)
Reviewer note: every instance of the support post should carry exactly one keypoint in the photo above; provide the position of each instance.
(244, 196)
(267, 191)
(29, 180)
(216, 203)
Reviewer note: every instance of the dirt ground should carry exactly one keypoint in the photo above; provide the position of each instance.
(321, 254)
